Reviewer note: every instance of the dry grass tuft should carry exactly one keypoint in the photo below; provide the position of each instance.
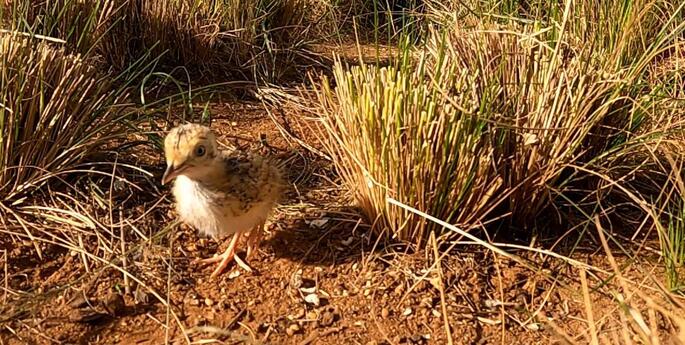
(393, 134)
(512, 115)
(254, 40)
(233, 37)
(56, 110)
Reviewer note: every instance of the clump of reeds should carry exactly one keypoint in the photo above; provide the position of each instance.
(55, 109)
(549, 111)
(411, 132)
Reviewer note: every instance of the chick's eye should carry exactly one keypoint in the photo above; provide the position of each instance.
(200, 151)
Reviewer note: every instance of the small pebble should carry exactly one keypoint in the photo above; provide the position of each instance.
(534, 326)
(407, 311)
(209, 302)
(292, 329)
(312, 315)
(385, 313)
(436, 313)
(312, 298)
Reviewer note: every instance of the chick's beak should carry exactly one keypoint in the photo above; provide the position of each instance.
(170, 173)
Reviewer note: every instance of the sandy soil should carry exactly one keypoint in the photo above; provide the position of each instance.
(364, 292)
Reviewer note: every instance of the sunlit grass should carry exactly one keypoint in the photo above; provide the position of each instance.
(56, 110)
(546, 101)
(252, 40)
(394, 134)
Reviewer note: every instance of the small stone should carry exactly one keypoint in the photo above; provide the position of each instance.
(313, 299)
(312, 315)
(209, 302)
(407, 311)
(385, 313)
(436, 313)
(534, 326)
(234, 274)
(292, 329)
(367, 292)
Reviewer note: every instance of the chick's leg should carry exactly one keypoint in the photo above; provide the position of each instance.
(223, 259)
(254, 239)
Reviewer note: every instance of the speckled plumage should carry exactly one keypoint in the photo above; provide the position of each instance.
(219, 193)
(238, 196)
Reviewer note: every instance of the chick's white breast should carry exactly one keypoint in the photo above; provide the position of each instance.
(212, 212)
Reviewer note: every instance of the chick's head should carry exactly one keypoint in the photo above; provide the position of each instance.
(189, 150)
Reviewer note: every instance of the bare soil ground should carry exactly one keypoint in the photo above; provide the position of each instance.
(366, 291)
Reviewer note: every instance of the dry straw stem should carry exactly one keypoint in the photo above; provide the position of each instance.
(632, 318)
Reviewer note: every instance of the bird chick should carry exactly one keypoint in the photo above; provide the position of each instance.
(220, 193)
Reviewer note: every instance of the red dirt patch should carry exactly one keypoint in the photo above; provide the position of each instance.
(317, 246)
